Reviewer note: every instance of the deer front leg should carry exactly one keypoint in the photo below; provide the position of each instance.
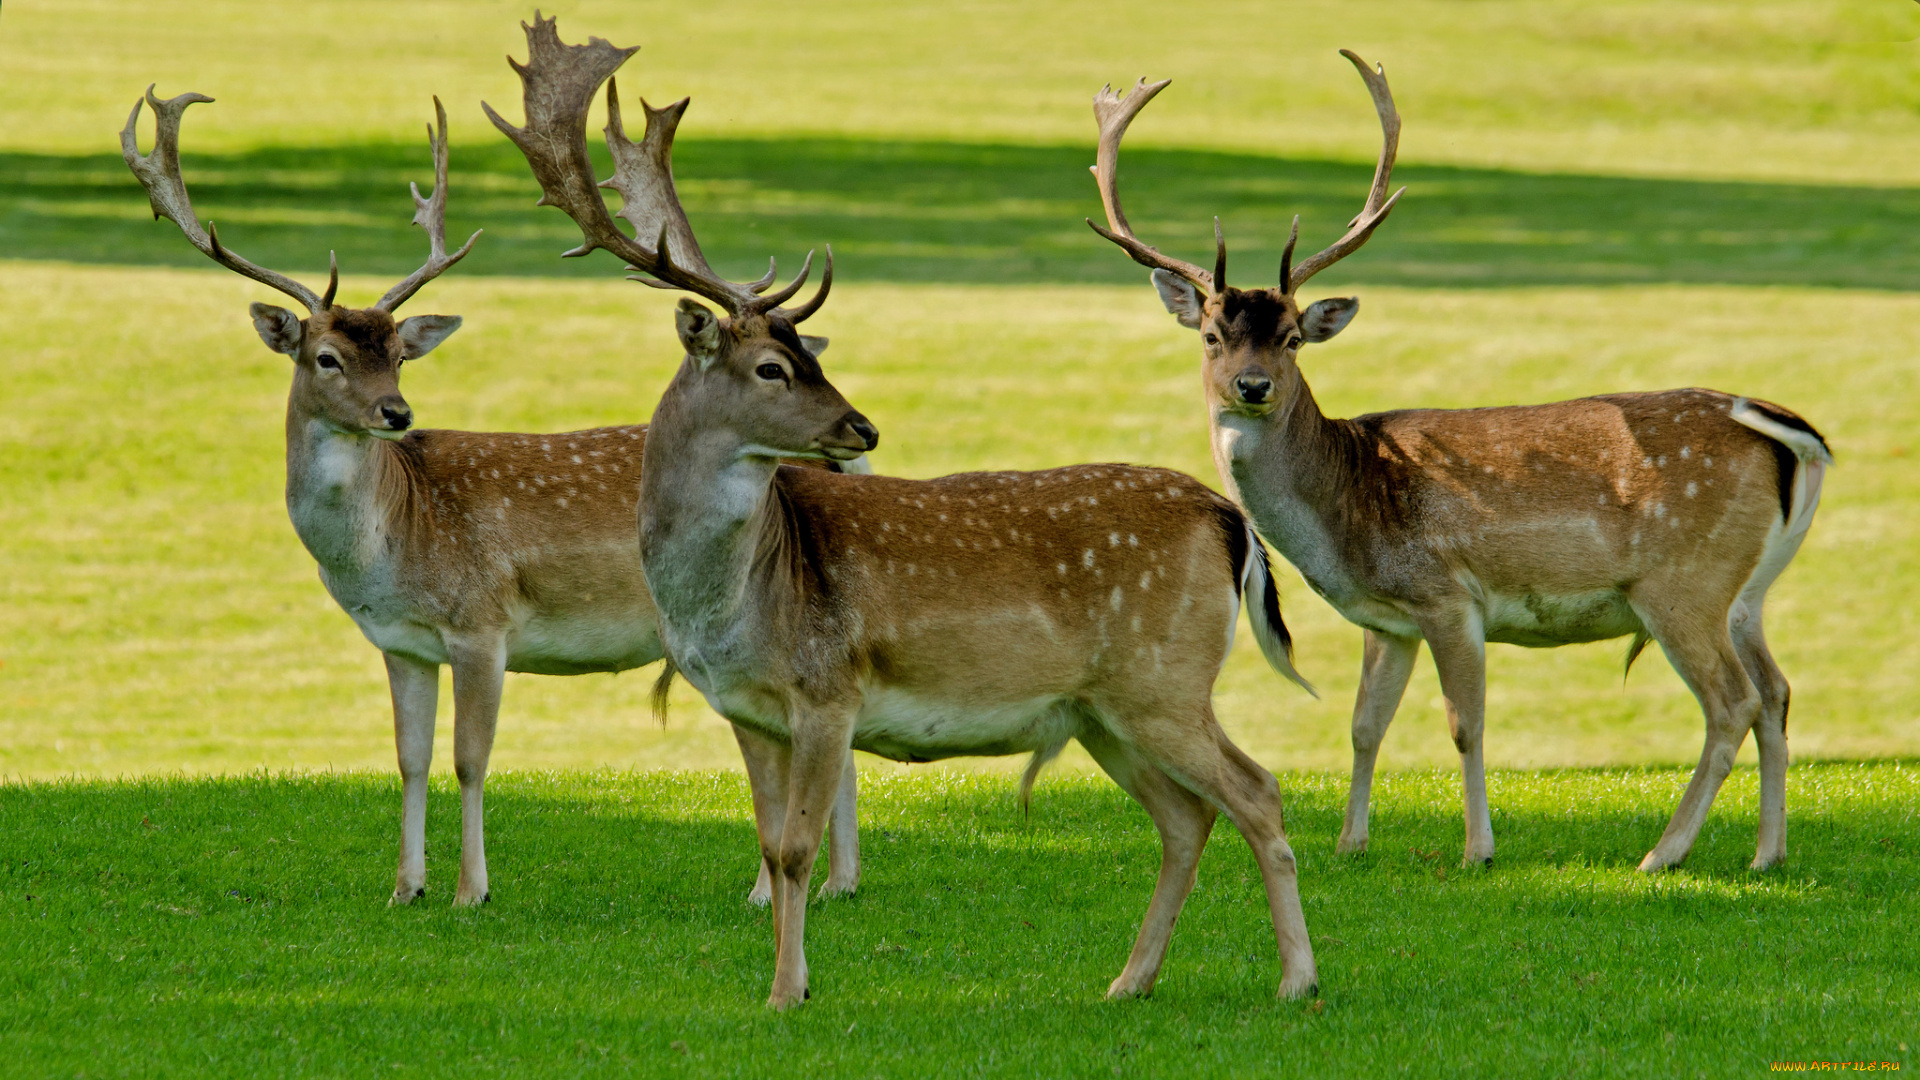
(818, 764)
(479, 668)
(767, 764)
(416, 698)
(843, 836)
(1385, 667)
(1460, 654)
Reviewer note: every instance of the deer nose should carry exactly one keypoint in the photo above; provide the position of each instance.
(1253, 387)
(397, 414)
(864, 428)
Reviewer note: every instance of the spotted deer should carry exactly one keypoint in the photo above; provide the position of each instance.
(983, 613)
(1663, 515)
(488, 552)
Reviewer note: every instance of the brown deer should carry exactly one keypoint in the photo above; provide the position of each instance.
(984, 613)
(1663, 515)
(491, 552)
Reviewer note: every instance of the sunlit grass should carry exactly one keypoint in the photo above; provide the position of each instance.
(238, 926)
(1725, 88)
(156, 610)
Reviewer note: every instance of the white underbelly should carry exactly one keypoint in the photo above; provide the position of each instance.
(899, 724)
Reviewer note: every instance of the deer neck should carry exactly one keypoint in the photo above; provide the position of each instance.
(707, 508)
(1292, 470)
(340, 486)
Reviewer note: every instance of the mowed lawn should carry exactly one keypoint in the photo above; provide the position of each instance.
(237, 927)
(197, 814)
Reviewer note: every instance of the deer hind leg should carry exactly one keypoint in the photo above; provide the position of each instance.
(1184, 821)
(767, 763)
(1460, 655)
(416, 698)
(1769, 730)
(814, 775)
(479, 669)
(1385, 667)
(1701, 650)
(1204, 761)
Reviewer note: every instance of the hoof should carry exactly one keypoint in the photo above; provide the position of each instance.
(1292, 991)
(1654, 863)
(760, 897)
(783, 1002)
(471, 899)
(1470, 861)
(1766, 862)
(833, 889)
(401, 897)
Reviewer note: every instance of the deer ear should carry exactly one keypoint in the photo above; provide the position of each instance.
(699, 330)
(1328, 317)
(1181, 298)
(815, 345)
(420, 334)
(278, 327)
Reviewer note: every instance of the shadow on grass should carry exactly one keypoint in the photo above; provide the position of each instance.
(944, 212)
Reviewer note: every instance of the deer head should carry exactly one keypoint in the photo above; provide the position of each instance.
(1252, 337)
(748, 369)
(346, 360)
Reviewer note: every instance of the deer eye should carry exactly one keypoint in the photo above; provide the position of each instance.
(1211, 339)
(771, 372)
(329, 361)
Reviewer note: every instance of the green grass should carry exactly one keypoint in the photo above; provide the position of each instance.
(1631, 195)
(939, 212)
(1794, 89)
(156, 610)
(219, 927)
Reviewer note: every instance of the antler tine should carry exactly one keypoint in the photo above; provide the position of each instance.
(159, 173)
(1219, 257)
(801, 313)
(1378, 205)
(793, 287)
(1114, 114)
(560, 81)
(431, 215)
(1286, 257)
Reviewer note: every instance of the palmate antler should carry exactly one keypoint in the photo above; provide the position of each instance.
(159, 173)
(1115, 113)
(560, 81)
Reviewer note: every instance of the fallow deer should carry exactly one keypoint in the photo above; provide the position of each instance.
(984, 613)
(1663, 515)
(491, 552)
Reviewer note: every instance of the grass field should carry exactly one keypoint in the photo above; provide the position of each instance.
(175, 927)
(195, 748)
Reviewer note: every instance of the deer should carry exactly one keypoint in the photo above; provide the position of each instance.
(1663, 515)
(485, 552)
(992, 613)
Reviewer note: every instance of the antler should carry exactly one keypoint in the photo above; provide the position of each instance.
(1376, 210)
(560, 81)
(159, 173)
(430, 214)
(1114, 114)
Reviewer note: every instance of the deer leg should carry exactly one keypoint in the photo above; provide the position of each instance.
(818, 765)
(1706, 660)
(1184, 821)
(1203, 760)
(1385, 667)
(416, 698)
(843, 831)
(767, 763)
(1460, 655)
(1769, 732)
(479, 669)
